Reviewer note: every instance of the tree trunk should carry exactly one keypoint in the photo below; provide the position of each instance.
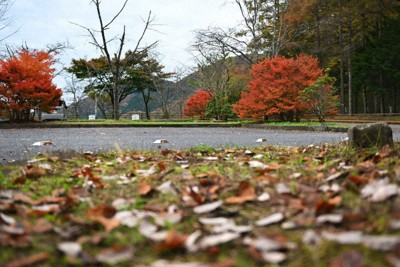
(341, 57)
(365, 99)
(349, 62)
(146, 99)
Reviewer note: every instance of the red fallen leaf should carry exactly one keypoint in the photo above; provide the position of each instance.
(35, 172)
(173, 240)
(357, 179)
(245, 193)
(144, 188)
(199, 199)
(351, 258)
(104, 211)
(161, 166)
(19, 180)
(29, 260)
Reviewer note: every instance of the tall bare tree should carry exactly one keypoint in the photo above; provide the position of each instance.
(5, 21)
(115, 62)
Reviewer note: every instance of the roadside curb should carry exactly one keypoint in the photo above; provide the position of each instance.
(210, 125)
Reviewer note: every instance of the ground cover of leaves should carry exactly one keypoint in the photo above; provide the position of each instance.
(268, 206)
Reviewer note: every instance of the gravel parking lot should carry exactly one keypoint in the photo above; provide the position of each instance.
(17, 144)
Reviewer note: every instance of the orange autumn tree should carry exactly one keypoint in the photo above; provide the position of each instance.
(197, 104)
(275, 87)
(26, 84)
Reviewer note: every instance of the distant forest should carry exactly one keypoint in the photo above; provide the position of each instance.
(356, 41)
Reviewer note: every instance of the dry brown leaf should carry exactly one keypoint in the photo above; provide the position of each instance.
(35, 172)
(42, 226)
(174, 240)
(101, 211)
(144, 188)
(245, 193)
(351, 258)
(357, 179)
(29, 260)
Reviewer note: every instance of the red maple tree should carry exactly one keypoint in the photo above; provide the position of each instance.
(26, 84)
(196, 105)
(276, 85)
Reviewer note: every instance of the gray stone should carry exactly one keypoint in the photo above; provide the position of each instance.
(371, 135)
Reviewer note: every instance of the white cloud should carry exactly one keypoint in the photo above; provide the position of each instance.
(43, 22)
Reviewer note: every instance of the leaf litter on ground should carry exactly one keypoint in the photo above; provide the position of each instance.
(200, 207)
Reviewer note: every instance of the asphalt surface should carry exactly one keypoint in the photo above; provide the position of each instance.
(17, 144)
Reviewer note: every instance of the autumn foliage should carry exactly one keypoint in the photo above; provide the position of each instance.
(276, 85)
(26, 84)
(197, 104)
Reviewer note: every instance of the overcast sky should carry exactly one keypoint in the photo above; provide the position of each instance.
(43, 22)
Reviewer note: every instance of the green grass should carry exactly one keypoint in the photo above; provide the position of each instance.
(147, 122)
(308, 123)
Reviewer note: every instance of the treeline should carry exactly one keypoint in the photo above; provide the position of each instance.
(356, 41)
(359, 41)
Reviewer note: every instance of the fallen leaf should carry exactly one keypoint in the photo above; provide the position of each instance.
(127, 218)
(43, 143)
(282, 188)
(213, 221)
(213, 240)
(101, 211)
(191, 240)
(161, 141)
(208, 207)
(257, 164)
(351, 258)
(164, 263)
(380, 191)
(173, 240)
(72, 249)
(35, 172)
(167, 188)
(271, 219)
(29, 260)
(115, 255)
(330, 218)
(144, 188)
(264, 197)
(310, 237)
(345, 238)
(382, 243)
(42, 226)
(244, 194)
(274, 257)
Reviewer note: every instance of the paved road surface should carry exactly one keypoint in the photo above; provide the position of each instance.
(16, 144)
